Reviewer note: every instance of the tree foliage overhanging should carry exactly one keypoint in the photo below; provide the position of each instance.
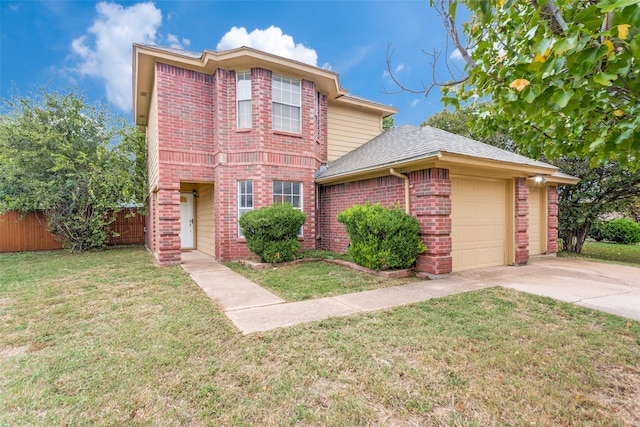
(562, 75)
(74, 161)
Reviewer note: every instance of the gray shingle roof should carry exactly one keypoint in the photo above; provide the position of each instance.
(406, 143)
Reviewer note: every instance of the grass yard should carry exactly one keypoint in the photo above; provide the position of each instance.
(107, 338)
(627, 254)
(297, 282)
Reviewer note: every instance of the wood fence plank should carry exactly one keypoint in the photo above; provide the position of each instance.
(30, 233)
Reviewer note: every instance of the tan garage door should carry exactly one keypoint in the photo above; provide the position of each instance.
(537, 241)
(478, 216)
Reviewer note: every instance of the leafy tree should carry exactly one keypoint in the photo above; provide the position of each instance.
(72, 160)
(603, 189)
(459, 122)
(388, 123)
(562, 75)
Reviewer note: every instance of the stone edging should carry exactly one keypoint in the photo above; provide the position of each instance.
(389, 274)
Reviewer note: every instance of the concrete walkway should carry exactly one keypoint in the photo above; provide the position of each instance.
(607, 287)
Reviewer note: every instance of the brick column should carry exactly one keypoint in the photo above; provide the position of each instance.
(431, 205)
(168, 250)
(552, 220)
(522, 222)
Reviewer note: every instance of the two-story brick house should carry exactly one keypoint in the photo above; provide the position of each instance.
(232, 131)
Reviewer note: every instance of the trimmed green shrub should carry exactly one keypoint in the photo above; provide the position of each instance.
(382, 238)
(621, 230)
(272, 232)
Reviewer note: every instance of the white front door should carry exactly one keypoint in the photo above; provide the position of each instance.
(186, 221)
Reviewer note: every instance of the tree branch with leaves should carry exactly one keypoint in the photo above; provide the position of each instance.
(562, 75)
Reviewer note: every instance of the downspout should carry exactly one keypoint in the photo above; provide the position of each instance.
(407, 186)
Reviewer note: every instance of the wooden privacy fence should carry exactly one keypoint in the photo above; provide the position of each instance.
(30, 233)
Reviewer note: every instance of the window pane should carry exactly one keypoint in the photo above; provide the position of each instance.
(244, 114)
(286, 103)
(245, 200)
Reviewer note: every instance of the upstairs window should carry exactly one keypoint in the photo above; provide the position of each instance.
(243, 99)
(286, 98)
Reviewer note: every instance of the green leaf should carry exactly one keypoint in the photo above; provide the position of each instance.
(531, 92)
(542, 46)
(561, 97)
(610, 5)
(605, 79)
(452, 9)
(589, 17)
(565, 45)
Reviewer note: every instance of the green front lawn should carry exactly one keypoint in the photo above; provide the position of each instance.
(628, 254)
(107, 338)
(297, 282)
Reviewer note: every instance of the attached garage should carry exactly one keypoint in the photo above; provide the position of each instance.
(472, 201)
(478, 222)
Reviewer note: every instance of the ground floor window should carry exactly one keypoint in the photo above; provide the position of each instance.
(245, 200)
(288, 192)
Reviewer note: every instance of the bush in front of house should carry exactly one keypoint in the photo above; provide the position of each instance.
(382, 238)
(272, 232)
(621, 230)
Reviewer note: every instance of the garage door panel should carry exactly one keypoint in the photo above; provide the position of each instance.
(478, 212)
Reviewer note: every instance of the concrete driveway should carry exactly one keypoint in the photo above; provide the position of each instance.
(606, 287)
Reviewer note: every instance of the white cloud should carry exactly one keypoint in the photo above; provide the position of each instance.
(399, 68)
(176, 43)
(455, 55)
(271, 40)
(105, 50)
(415, 102)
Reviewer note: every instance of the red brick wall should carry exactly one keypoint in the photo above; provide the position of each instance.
(199, 142)
(186, 148)
(521, 221)
(431, 205)
(552, 220)
(333, 199)
(429, 202)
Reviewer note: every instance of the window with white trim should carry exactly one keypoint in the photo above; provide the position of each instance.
(245, 200)
(288, 192)
(243, 99)
(286, 98)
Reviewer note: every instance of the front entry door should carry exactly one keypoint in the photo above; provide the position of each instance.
(186, 221)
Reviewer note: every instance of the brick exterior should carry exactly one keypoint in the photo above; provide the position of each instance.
(333, 199)
(198, 142)
(552, 220)
(193, 138)
(429, 203)
(521, 221)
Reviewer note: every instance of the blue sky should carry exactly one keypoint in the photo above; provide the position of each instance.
(88, 44)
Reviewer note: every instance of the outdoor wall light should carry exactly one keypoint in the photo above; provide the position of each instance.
(538, 179)
(195, 193)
